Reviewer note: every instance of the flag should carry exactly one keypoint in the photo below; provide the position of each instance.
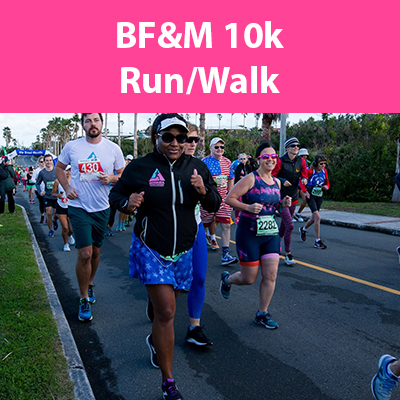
(4, 151)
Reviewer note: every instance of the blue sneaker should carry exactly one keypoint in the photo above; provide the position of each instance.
(383, 383)
(265, 320)
(170, 391)
(85, 313)
(224, 287)
(55, 225)
(227, 259)
(51, 234)
(92, 299)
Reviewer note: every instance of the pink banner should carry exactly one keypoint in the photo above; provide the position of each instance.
(210, 56)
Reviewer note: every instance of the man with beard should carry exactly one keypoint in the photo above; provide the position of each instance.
(93, 160)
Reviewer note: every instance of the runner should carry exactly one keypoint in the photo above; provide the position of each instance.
(93, 160)
(48, 175)
(23, 176)
(289, 168)
(38, 192)
(30, 186)
(220, 168)
(62, 211)
(165, 187)
(8, 187)
(257, 239)
(303, 153)
(386, 378)
(197, 292)
(318, 183)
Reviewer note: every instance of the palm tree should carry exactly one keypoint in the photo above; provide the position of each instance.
(135, 149)
(202, 135)
(105, 124)
(244, 119)
(232, 114)
(119, 129)
(7, 135)
(267, 119)
(257, 117)
(219, 117)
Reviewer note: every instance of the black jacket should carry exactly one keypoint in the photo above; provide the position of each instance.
(165, 220)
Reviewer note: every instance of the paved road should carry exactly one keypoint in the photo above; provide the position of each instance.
(332, 328)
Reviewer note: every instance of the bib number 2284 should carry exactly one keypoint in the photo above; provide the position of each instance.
(267, 226)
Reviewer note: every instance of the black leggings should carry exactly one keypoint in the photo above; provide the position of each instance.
(41, 202)
(11, 202)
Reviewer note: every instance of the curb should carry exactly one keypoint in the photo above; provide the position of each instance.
(363, 227)
(77, 372)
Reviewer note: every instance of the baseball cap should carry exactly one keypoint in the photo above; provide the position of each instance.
(129, 157)
(68, 167)
(167, 122)
(216, 140)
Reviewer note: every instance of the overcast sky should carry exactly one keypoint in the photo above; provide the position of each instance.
(25, 127)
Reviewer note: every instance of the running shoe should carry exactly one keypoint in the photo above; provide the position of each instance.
(303, 234)
(33, 201)
(289, 260)
(71, 240)
(208, 238)
(265, 320)
(85, 313)
(127, 223)
(92, 299)
(51, 234)
(109, 232)
(319, 245)
(55, 225)
(153, 355)
(383, 382)
(298, 217)
(197, 337)
(42, 219)
(294, 220)
(224, 287)
(66, 247)
(227, 259)
(170, 391)
(214, 245)
(398, 253)
(149, 310)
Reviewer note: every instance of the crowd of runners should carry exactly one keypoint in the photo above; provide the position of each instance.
(177, 201)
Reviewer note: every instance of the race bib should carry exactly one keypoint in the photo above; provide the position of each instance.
(89, 169)
(266, 226)
(49, 185)
(317, 191)
(222, 180)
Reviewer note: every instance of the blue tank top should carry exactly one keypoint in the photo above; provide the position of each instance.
(261, 192)
(317, 179)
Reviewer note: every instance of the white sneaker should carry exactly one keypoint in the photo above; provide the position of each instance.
(66, 247)
(71, 240)
(289, 260)
(298, 217)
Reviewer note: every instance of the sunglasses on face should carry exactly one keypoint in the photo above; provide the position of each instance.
(41, 161)
(241, 159)
(168, 137)
(268, 156)
(322, 163)
(192, 139)
(294, 145)
(219, 147)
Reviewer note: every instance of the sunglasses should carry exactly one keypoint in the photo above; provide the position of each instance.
(322, 163)
(268, 156)
(192, 139)
(241, 159)
(41, 161)
(219, 147)
(168, 137)
(294, 145)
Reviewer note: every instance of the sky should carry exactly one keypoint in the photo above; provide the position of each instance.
(25, 127)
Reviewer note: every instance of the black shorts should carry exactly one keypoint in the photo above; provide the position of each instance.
(60, 210)
(315, 202)
(50, 203)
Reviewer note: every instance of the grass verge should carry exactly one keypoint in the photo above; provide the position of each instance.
(383, 209)
(32, 362)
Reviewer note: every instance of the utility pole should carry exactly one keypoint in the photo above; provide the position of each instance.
(105, 124)
(282, 135)
(396, 192)
(135, 135)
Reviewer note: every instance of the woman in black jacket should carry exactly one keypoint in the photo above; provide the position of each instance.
(164, 187)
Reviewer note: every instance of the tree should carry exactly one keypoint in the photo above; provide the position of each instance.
(219, 118)
(244, 119)
(232, 114)
(119, 129)
(267, 119)
(7, 135)
(202, 135)
(257, 117)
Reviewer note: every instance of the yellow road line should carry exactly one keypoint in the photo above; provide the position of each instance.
(348, 277)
